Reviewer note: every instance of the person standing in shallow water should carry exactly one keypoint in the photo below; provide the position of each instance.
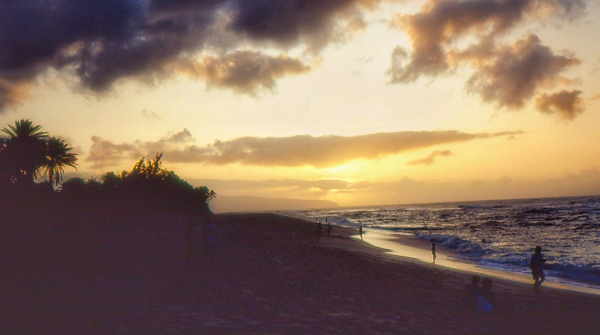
(433, 251)
(537, 267)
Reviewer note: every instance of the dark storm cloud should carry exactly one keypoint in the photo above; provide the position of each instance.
(566, 104)
(303, 150)
(289, 22)
(178, 6)
(101, 42)
(244, 72)
(429, 160)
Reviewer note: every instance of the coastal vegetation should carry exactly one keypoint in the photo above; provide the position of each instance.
(32, 167)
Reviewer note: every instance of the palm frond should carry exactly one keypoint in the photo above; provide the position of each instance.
(24, 129)
(58, 156)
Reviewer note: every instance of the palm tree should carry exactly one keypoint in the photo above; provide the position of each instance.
(58, 156)
(26, 144)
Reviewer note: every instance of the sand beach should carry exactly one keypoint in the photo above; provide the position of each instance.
(253, 274)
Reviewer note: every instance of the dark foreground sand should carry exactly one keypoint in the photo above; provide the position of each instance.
(254, 274)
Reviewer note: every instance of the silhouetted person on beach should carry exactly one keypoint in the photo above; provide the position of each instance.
(433, 251)
(473, 291)
(480, 298)
(537, 267)
(489, 301)
(360, 230)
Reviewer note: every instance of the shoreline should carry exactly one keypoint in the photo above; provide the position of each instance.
(408, 246)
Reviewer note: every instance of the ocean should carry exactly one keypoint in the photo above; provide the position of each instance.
(500, 234)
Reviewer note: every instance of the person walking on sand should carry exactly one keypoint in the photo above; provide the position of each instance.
(433, 251)
(537, 267)
(489, 299)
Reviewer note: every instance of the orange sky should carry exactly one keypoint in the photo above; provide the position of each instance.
(394, 102)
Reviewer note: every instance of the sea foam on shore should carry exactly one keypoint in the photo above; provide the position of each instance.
(498, 234)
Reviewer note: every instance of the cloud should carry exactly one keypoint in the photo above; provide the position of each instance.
(410, 190)
(11, 94)
(429, 160)
(282, 188)
(595, 97)
(262, 204)
(243, 71)
(104, 153)
(103, 42)
(516, 73)
(448, 34)
(302, 150)
(151, 115)
(566, 104)
(288, 23)
(183, 136)
(435, 30)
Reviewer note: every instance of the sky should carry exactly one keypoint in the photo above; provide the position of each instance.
(357, 102)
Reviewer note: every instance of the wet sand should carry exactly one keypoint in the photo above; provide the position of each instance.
(255, 274)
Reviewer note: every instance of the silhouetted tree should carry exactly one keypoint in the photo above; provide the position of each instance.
(25, 149)
(111, 182)
(146, 186)
(58, 155)
(74, 186)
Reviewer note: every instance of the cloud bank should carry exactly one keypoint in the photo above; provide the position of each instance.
(509, 75)
(244, 72)
(100, 43)
(103, 42)
(294, 151)
(440, 24)
(410, 190)
(104, 153)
